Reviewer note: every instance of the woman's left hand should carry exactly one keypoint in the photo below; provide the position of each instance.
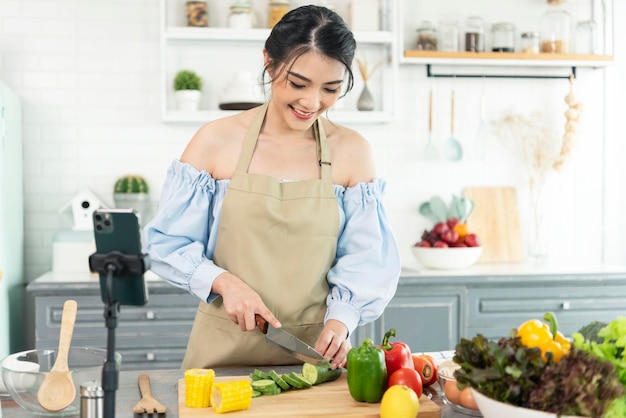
(333, 343)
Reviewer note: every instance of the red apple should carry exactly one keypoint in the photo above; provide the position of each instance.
(450, 237)
(440, 244)
(452, 222)
(423, 244)
(441, 228)
(471, 240)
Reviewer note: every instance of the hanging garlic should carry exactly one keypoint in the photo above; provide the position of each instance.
(572, 118)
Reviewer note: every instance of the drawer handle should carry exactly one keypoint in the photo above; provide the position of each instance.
(565, 306)
(150, 356)
(150, 315)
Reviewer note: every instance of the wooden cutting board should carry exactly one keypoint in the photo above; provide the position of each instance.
(495, 220)
(330, 399)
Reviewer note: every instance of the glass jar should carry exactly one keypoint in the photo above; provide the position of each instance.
(474, 34)
(586, 37)
(197, 14)
(503, 37)
(277, 9)
(426, 37)
(530, 42)
(448, 39)
(241, 16)
(556, 28)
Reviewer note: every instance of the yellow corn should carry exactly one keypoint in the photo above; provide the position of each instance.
(198, 383)
(235, 395)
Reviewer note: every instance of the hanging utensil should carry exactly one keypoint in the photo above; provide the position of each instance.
(483, 130)
(452, 149)
(431, 150)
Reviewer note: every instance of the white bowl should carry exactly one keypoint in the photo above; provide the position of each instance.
(453, 258)
(493, 409)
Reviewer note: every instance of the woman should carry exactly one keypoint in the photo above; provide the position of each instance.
(276, 211)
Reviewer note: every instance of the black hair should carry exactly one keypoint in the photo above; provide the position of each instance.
(311, 29)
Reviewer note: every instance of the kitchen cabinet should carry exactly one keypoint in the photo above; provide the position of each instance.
(217, 53)
(153, 336)
(525, 16)
(431, 310)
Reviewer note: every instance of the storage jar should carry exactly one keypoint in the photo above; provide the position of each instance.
(503, 37)
(276, 10)
(530, 42)
(426, 37)
(556, 29)
(474, 34)
(197, 13)
(448, 39)
(241, 16)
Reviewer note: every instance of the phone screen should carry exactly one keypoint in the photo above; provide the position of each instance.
(118, 230)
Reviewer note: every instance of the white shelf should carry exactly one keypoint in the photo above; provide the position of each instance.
(183, 33)
(344, 117)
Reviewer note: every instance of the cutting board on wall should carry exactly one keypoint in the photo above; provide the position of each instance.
(495, 219)
(330, 400)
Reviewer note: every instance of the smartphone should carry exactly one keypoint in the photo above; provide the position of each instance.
(118, 230)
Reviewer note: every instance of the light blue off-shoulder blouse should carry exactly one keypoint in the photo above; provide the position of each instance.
(181, 239)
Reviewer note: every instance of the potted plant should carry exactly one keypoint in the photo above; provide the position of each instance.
(132, 192)
(188, 90)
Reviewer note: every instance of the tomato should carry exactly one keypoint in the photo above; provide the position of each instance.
(408, 377)
(399, 402)
(426, 366)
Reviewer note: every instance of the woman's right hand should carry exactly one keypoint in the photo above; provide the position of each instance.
(241, 302)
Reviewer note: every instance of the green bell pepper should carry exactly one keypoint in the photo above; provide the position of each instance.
(367, 372)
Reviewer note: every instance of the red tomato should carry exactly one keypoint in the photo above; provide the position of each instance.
(408, 377)
(425, 368)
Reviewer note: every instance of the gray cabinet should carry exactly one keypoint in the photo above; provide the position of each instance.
(153, 336)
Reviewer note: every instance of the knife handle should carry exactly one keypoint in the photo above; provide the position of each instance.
(261, 323)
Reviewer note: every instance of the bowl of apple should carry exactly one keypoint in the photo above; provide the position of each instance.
(448, 246)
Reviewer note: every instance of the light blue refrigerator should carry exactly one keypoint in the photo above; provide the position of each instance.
(12, 284)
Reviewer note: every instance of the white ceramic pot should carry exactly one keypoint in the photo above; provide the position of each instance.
(140, 202)
(188, 100)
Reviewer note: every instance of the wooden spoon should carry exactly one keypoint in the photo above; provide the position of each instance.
(57, 391)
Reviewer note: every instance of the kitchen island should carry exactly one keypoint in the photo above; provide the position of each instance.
(165, 389)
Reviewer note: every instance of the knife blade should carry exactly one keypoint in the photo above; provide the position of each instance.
(288, 342)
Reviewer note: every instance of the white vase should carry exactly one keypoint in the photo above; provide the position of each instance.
(366, 100)
(188, 100)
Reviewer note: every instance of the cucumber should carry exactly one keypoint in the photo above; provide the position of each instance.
(256, 393)
(264, 386)
(279, 380)
(320, 373)
(300, 379)
(260, 374)
(293, 382)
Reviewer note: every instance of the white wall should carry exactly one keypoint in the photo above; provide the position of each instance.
(88, 74)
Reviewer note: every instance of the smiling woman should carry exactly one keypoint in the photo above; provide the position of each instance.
(296, 195)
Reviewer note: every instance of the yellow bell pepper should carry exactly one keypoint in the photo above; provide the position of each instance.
(535, 333)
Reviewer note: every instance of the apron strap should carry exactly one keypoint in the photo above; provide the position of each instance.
(250, 142)
(322, 150)
(249, 145)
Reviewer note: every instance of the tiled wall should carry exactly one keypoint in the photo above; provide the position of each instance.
(88, 73)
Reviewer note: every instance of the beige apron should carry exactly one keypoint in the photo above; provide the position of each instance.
(281, 239)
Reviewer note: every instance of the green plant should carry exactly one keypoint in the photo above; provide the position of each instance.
(131, 184)
(187, 80)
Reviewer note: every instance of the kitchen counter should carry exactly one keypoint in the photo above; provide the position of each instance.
(165, 389)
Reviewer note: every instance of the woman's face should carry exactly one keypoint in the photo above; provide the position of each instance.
(303, 91)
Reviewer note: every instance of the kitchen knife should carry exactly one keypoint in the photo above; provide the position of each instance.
(291, 344)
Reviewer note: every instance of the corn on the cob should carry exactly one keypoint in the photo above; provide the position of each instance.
(235, 395)
(198, 383)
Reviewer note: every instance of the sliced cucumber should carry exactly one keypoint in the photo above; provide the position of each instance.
(300, 379)
(260, 374)
(256, 393)
(320, 373)
(293, 382)
(264, 386)
(279, 380)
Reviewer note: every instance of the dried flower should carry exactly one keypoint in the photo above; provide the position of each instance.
(365, 74)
